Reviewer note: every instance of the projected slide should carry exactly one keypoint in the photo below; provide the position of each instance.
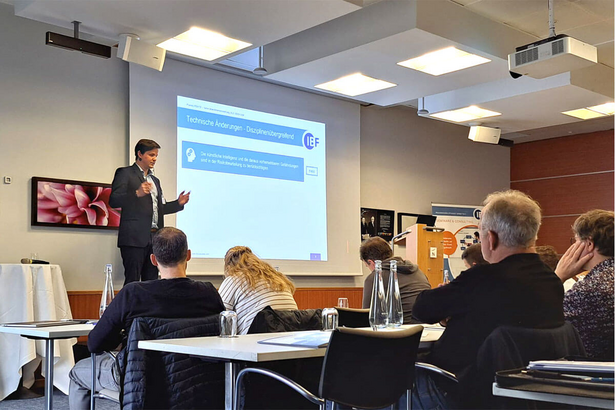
(257, 179)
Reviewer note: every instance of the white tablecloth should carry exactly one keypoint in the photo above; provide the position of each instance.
(27, 293)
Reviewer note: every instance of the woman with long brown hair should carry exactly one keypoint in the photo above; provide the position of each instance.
(251, 284)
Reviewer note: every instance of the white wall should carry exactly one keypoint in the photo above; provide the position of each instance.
(65, 115)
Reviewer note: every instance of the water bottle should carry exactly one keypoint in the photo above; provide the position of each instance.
(395, 311)
(446, 277)
(378, 307)
(107, 295)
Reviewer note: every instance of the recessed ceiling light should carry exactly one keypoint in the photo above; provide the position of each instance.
(606, 109)
(584, 114)
(203, 44)
(465, 114)
(355, 84)
(444, 61)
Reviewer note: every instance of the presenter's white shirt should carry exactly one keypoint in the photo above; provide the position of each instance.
(237, 295)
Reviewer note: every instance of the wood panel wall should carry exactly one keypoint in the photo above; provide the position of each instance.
(85, 304)
(567, 176)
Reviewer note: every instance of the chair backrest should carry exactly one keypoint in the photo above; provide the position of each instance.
(269, 320)
(167, 380)
(369, 369)
(510, 347)
(349, 317)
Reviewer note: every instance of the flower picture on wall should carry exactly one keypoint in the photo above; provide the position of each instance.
(74, 204)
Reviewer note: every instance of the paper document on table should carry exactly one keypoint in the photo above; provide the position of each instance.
(313, 339)
(45, 323)
(576, 366)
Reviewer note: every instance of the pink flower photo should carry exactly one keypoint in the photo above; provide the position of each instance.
(73, 203)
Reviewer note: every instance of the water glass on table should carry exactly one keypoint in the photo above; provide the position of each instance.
(342, 302)
(228, 324)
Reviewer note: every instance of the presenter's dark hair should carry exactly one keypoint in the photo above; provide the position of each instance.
(473, 255)
(170, 246)
(375, 249)
(143, 146)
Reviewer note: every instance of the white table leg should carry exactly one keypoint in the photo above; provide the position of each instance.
(49, 374)
(230, 377)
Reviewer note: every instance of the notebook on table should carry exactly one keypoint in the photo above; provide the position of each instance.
(315, 339)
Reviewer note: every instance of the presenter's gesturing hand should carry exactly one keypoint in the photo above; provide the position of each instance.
(144, 189)
(183, 198)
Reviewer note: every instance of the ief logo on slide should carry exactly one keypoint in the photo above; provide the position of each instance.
(310, 141)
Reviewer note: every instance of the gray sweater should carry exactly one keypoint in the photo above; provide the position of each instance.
(412, 281)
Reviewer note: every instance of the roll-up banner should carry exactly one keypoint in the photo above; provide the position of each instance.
(460, 224)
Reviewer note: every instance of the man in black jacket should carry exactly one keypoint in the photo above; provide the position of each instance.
(173, 296)
(137, 191)
(515, 289)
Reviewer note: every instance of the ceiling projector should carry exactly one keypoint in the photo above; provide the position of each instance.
(554, 55)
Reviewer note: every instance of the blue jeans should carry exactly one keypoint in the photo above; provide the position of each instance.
(427, 394)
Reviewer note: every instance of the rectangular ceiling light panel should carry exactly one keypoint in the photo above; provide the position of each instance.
(355, 84)
(203, 44)
(584, 114)
(444, 61)
(465, 114)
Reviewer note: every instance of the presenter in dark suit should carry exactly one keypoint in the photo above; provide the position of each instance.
(137, 191)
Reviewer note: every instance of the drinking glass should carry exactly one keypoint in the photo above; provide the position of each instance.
(228, 324)
(329, 319)
(342, 302)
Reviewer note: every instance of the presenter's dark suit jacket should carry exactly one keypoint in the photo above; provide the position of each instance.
(136, 219)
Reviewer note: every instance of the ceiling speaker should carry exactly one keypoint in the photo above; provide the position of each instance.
(135, 51)
(484, 134)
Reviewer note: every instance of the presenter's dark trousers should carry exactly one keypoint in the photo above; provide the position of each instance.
(137, 264)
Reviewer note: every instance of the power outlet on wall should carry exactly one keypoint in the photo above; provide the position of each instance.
(8, 180)
(433, 252)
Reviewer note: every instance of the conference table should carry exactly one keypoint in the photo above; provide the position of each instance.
(32, 293)
(246, 348)
(50, 335)
(562, 398)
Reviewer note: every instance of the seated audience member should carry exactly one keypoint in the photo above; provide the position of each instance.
(548, 255)
(251, 284)
(514, 289)
(172, 296)
(473, 256)
(412, 280)
(589, 304)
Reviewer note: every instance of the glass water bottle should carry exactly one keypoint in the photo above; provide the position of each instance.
(378, 307)
(395, 311)
(107, 295)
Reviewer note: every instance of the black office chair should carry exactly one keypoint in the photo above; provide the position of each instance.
(349, 317)
(362, 368)
(508, 347)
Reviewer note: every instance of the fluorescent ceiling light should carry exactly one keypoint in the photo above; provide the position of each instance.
(465, 114)
(606, 109)
(584, 114)
(355, 84)
(444, 61)
(203, 44)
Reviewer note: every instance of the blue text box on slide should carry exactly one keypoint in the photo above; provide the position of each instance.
(238, 127)
(214, 158)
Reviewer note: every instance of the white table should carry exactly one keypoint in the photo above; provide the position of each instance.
(245, 348)
(553, 398)
(29, 293)
(51, 335)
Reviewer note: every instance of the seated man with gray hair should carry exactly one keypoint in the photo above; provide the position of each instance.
(514, 289)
